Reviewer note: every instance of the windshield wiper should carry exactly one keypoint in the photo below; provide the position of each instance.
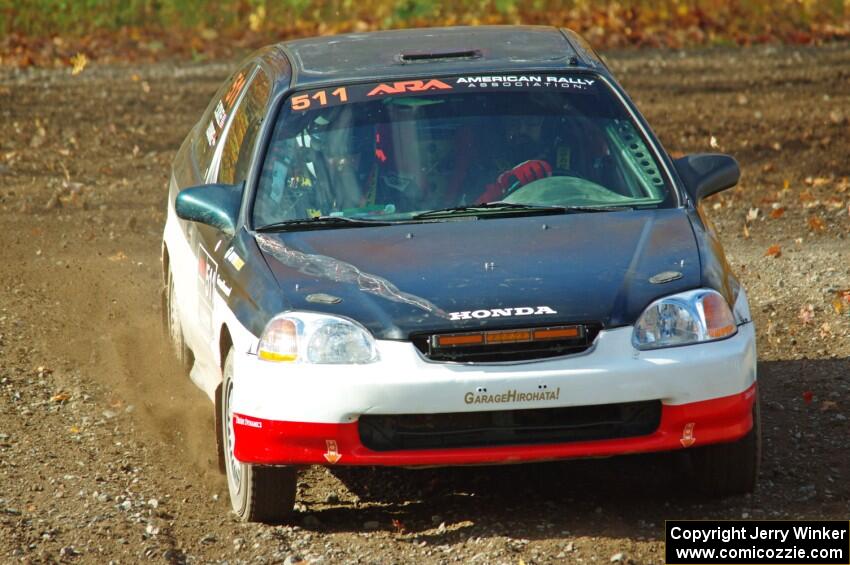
(515, 206)
(569, 209)
(497, 205)
(321, 222)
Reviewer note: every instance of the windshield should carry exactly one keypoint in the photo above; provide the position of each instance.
(391, 151)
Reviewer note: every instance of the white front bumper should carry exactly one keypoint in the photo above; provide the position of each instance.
(403, 382)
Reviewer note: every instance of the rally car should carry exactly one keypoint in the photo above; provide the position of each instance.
(451, 246)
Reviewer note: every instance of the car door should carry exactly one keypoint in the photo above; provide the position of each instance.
(229, 165)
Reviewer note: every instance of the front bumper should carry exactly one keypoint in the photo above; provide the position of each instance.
(307, 414)
(298, 443)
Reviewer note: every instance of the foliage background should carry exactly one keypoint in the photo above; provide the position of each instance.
(44, 31)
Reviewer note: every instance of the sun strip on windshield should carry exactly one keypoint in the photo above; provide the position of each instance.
(338, 95)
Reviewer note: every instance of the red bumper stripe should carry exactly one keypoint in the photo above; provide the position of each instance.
(273, 442)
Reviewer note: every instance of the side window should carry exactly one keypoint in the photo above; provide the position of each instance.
(241, 135)
(212, 123)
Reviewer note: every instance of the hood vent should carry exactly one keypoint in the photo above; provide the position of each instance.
(431, 56)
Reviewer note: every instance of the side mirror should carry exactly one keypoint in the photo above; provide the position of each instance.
(215, 205)
(705, 174)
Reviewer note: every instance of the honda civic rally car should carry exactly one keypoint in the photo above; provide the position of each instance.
(451, 246)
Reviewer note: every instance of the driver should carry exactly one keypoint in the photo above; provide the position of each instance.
(524, 138)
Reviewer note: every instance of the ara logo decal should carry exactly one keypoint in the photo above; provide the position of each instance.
(409, 86)
(502, 312)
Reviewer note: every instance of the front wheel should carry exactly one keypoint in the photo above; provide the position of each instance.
(257, 494)
(727, 469)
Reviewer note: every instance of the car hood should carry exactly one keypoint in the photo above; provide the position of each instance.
(491, 272)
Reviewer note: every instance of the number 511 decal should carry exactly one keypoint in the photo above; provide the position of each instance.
(305, 101)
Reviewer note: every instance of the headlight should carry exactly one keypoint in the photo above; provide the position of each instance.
(690, 317)
(306, 337)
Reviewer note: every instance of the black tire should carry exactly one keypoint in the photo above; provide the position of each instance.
(728, 469)
(257, 493)
(173, 328)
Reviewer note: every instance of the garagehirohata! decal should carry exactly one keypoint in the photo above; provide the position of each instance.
(501, 312)
(512, 395)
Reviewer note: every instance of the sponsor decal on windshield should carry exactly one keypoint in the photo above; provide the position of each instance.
(409, 86)
(526, 81)
(336, 96)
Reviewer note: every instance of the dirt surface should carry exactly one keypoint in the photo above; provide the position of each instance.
(107, 453)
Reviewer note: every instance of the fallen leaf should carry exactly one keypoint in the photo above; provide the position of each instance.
(816, 223)
(828, 405)
(752, 214)
(74, 430)
(774, 251)
(746, 231)
(60, 397)
(713, 142)
(777, 213)
(806, 314)
(79, 62)
(808, 396)
(256, 18)
(841, 301)
(120, 256)
(825, 330)
(399, 526)
(835, 203)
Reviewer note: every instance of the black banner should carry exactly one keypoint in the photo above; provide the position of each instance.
(761, 542)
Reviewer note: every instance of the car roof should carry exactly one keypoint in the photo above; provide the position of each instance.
(433, 51)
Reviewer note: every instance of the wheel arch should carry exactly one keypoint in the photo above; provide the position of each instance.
(225, 342)
(165, 259)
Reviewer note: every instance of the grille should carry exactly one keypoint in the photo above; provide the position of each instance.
(486, 352)
(509, 427)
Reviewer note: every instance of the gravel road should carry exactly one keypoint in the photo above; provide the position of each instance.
(107, 454)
